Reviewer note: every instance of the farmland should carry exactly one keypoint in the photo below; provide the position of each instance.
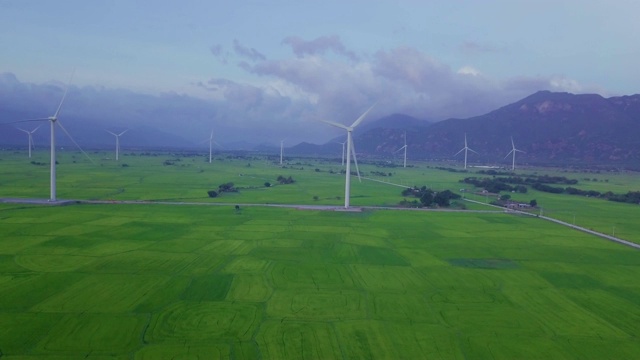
(149, 281)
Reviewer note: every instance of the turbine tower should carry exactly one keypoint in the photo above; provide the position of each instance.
(343, 143)
(117, 141)
(53, 120)
(465, 149)
(513, 151)
(211, 142)
(281, 150)
(350, 150)
(30, 134)
(405, 149)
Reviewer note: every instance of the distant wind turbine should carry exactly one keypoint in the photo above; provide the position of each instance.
(53, 120)
(405, 149)
(281, 150)
(30, 134)
(211, 142)
(342, 143)
(350, 150)
(513, 151)
(465, 149)
(117, 141)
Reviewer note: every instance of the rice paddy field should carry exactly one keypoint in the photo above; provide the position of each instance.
(156, 281)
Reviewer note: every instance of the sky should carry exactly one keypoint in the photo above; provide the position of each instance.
(269, 70)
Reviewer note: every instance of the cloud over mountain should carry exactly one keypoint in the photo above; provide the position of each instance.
(273, 96)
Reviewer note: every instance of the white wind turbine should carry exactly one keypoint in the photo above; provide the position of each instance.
(211, 142)
(513, 151)
(342, 143)
(117, 141)
(405, 149)
(281, 150)
(465, 149)
(30, 134)
(350, 150)
(53, 120)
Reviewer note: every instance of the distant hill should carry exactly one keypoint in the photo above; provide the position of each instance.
(552, 128)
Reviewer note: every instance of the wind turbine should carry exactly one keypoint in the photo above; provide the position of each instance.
(350, 150)
(30, 134)
(405, 149)
(513, 151)
(211, 142)
(342, 143)
(465, 149)
(281, 150)
(117, 141)
(53, 120)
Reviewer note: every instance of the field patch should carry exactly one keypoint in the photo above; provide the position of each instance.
(389, 278)
(141, 262)
(53, 263)
(228, 247)
(13, 245)
(24, 291)
(246, 264)
(297, 340)
(317, 305)
(102, 294)
(319, 276)
(249, 287)
(402, 307)
(184, 351)
(485, 263)
(199, 322)
(96, 334)
(20, 332)
(380, 256)
(208, 287)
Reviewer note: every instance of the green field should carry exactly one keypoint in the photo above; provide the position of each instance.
(167, 281)
(150, 281)
(318, 182)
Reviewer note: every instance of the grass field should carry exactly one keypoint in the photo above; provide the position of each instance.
(318, 182)
(168, 281)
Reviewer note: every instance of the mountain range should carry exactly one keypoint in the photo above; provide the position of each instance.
(549, 127)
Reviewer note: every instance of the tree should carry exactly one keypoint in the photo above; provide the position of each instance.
(505, 197)
(533, 203)
(212, 193)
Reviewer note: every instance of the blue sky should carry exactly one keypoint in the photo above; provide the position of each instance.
(279, 66)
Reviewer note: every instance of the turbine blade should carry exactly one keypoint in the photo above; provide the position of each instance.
(122, 133)
(359, 120)
(75, 143)
(55, 116)
(508, 154)
(461, 150)
(114, 134)
(513, 146)
(473, 151)
(23, 130)
(36, 129)
(23, 121)
(335, 124)
(400, 149)
(355, 160)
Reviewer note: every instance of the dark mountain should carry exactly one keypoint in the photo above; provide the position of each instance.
(395, 121)
(552, 128)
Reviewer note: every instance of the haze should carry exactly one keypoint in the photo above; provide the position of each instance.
(259, 71)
